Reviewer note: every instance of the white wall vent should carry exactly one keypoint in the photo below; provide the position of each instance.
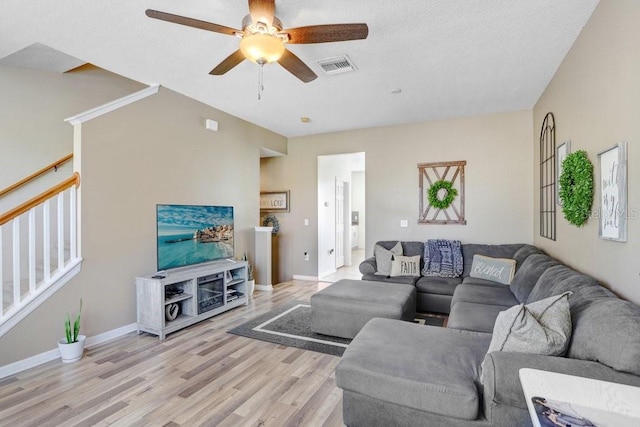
(338, 64)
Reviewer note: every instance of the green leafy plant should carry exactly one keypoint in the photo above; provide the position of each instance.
(576, 187)
(449, 197)
(72, 334)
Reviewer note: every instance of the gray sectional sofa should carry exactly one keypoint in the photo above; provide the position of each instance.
(435, 293)
(400, 373)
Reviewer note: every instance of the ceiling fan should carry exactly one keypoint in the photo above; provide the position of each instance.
(263, 39)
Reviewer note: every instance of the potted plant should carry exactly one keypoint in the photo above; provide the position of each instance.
(72, 345)
(251, 283)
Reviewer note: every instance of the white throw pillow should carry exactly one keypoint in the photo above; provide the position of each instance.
(542, 327)
(405, 266)
(499, 270)
(383, 258)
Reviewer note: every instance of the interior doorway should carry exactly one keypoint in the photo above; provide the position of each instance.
(341, 215)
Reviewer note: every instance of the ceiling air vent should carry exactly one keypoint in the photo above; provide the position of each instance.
(339, 64)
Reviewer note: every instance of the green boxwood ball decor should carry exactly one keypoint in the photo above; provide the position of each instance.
(271, 221)
(449, 197)
(576, 187)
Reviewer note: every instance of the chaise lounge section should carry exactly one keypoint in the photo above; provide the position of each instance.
(397, 373)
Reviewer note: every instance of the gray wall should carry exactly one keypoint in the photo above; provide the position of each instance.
(594, 97)
(154, 151)
(499, 189)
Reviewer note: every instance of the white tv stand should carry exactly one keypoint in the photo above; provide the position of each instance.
(199, 292)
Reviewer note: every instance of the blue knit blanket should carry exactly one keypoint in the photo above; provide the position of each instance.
(442, 258)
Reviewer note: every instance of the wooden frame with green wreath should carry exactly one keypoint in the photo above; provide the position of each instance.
(441, 193)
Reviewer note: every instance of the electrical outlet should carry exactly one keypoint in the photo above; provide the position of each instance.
(404, 223)
(306, 256)
(306, 221)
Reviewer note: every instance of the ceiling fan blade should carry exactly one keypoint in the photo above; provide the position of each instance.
(190, 22)
(262, 11)
(229, 62)
(295, 66)
(327, 33)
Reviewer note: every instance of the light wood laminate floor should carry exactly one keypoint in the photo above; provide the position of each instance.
(198, 376)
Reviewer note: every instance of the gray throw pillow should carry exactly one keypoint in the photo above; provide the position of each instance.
(542, 327)
(499, 270)
(384, 256)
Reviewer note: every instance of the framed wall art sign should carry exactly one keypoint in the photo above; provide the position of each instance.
(612, 177)
(274, 201)
(562, 152)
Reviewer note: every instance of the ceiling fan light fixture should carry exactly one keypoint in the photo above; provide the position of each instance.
(261, 48)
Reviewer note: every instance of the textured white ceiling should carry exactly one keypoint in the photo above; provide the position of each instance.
(451, 58)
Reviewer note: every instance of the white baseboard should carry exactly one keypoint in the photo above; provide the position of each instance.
(48, 356)
(305, 278)
(267, 288)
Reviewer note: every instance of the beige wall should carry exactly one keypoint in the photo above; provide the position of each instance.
(499, 188)
(595, 99)
(154, 151)
(33, 106)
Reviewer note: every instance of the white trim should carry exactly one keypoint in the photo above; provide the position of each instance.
(112, 334)
(327, 273)
(113, 105)
(306, 278)
(263, 229)
(48, 356)
(34, 300)
(267, 288)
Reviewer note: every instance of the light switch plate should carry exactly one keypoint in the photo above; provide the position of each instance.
(404, 223)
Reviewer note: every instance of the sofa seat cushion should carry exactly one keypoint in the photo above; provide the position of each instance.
(405, 280)
(426, 368)
(438, 285)
(471, 316)
(492, 295)
(476, 281)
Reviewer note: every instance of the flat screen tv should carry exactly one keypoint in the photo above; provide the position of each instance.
(189, 234)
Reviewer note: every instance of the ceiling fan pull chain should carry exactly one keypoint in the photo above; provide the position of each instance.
(260, 81)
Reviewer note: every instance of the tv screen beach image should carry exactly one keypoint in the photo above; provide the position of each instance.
(193, 234)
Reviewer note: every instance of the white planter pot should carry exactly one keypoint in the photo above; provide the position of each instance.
(71, 352)
(251, 285)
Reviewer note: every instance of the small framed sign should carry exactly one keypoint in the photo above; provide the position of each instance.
(274, 201)
(612, 174)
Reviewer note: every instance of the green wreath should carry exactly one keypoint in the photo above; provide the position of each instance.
(576, 187)
(271, 221)
(445, 202)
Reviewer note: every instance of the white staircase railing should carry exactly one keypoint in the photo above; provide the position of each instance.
(39, 250)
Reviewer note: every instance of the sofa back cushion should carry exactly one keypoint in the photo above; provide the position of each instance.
(528, 273)
(493, 251)
(560, 278)
(523, 253)
(607, 330)
(408, 248)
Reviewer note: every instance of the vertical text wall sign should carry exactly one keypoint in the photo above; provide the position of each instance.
(612, 169)
(441, 193)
